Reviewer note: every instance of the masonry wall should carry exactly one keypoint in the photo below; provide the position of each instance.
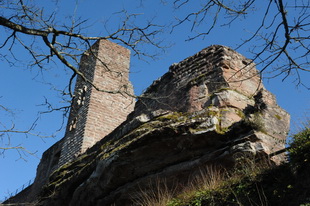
(48, 164)
(101, 104)
(216, 77)
(189, 83)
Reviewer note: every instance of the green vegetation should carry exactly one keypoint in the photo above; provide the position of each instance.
(240, 113)
(278, 117)
(175, 116)
(256, 122)
(250, 183)
(221, 130)
(299, 153)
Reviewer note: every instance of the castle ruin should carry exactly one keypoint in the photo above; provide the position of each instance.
(209, 108)
(100, 104)
(95, 113)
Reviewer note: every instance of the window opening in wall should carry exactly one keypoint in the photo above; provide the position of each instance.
(56, 159)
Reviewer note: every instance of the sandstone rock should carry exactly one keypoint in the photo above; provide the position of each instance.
(208, 109)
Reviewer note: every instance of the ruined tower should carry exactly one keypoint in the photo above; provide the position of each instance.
(101, 104)
(102, 100)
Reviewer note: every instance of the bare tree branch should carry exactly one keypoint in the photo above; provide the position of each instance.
(38, 32)
(283, 31)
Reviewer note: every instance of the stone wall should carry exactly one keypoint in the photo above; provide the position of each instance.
(96, 111)
(189, 83)
(210, 108)
(100, 104)
(219, 77)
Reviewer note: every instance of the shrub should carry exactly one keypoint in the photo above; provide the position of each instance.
(299, 152)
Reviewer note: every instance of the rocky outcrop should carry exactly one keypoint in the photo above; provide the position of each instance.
(209, 109)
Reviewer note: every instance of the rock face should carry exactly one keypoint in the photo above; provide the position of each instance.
(209, 109)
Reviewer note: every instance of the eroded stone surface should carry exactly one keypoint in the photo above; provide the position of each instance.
(209, 109)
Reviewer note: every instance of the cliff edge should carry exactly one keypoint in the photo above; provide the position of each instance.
(209, 109)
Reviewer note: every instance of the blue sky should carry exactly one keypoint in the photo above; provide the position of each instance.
(24, 88)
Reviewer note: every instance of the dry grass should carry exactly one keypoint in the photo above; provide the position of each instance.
(210, 178)
(157, 193)
(250, 166)
(160, 193)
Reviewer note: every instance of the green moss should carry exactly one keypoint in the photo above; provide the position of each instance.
(196, 130)
(212, 113)
(225, 89)
(171, 116)
(278, 117)
(104, 146)
(136, 134)
(221, 130)
(240, 114)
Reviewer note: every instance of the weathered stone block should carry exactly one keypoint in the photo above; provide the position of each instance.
(208, 109)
